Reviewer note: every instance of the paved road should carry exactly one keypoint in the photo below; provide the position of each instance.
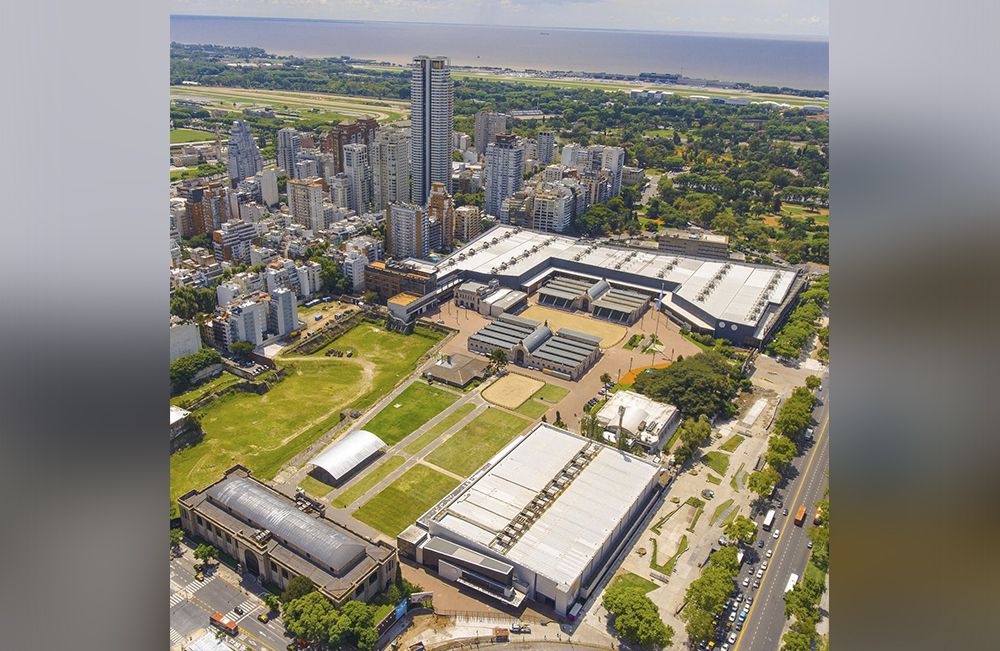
(766, 620)
(192, 602)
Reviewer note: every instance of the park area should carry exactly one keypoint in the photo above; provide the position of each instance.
(477, 442)
(319, 106)
(404, 500)
(408, 411)
(610, 333)
(263, 432)
(181, 136)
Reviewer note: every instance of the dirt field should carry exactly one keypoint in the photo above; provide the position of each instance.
(512, 390)
(609, 333)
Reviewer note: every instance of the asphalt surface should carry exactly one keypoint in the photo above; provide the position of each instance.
(766, 619)
(192, 602)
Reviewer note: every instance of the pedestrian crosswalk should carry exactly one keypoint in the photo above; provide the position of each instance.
(176, 598)
(175, 638)
(248, 606)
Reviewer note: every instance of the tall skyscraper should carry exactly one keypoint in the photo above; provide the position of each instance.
(269, 187)
(244, 156)
(390, 159)
(406, 231)
(360, 132)
(546, 147)
(288, 150)
(356, 167)
(504, 170)
(488, 125)
(340, 190)
(305, 203)
(431, 123)
(613, 160)
(468, 223)
(441, 208)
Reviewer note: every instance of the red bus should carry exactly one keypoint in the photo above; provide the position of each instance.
(800, 515)
(222, 622)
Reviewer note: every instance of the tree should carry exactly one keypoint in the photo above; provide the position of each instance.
(309, 616)
(606, 378)
(498, 359)
(780, 451)
(187, 302)
(636, 617)
(272, 601)
(176, 536)
(701, 384)
(762, 482)
(183, 369)
(741, 529)
(299, 586)
(369, 297)
(242, 349)
(813, 382)
(206, 553)
(559, 421)
(693, 434)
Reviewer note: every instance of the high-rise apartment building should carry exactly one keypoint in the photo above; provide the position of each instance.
(244, 156)
(358, 170)
(546, 147)
(282, 314)
(468, 223)
(205, 210)
(441, 209)
(613, 160)
(340, 190)
(504, 170)
(231, 242)
(406, 231)
(360, 132)
(305, 203)
(552, 208)
(289, 145)
(488, 125)
(268, 180)
(354, 268)
(390, 159)
(431, 123)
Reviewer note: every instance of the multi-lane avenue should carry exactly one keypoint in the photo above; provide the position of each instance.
(766, 619)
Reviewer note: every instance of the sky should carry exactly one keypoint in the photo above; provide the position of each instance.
(809, 18)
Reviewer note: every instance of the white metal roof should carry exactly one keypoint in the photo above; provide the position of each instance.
(638, 409)
(348, 453)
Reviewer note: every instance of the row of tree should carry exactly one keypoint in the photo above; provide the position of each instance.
(183, 369)
(802, 601)
(705, 598)
(794, 336)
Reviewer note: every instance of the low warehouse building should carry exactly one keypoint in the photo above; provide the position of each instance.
(490, 299)
(277, 538)
(541, 520)
(346, 456)
(457, 370)
(567, 354)
(643, 420)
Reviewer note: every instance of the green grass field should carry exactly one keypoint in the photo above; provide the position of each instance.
(179, 136)
(263, 432)
(717, 461)
(542, 400)
(732, 443)
(315, 487)
(668, 566)
(719, 510)
(475, 443)
(443, 426)
(402, 501)
(417, 404)
(630, 580)
(366, 482)
(735, 480)
(215, 384)
(712, 479)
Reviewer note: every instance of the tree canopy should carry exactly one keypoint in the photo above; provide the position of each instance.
(703, 384)
(636, 617)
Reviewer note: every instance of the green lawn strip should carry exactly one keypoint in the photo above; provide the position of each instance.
(402, 501)
(418, 403)
(551, 393)
(367, 482)
(694, 519)
(812, 570)
(719, 510)
(733, 481)
(729, 518)
(475, 443)
(215, 384)
(717, 461)
(314, 486)
(178, 136)
(732, 443)
(631, 580)
(633, 341)
(667, 568)
(673, 439)
(712, 479)
(695, 502)
(443, 426)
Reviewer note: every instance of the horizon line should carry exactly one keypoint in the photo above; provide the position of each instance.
(752, 36)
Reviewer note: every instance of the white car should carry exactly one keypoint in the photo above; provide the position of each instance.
(732, 616)
(760, 574)
(763, 565)
(777, 532)
(732, 638)
(724, 647)
(746, 581)
(769, 552)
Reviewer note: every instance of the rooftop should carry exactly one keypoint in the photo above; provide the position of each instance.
(639, 411)
(347, 453)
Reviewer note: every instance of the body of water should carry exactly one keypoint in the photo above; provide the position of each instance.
(770, 61)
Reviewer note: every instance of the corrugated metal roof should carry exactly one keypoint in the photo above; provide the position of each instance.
(348, 453)
(262, 508)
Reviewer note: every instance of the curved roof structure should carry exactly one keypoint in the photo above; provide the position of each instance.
(341, 458)
(537, 338)
(638, 410)
(263, 509)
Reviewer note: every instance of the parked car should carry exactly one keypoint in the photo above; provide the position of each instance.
(777, 532)
(784, 512)
(732, 616)
(760, 574)
(763, 565)
(746, 581)
(760, 543)
(809, 544)
(756, 584)
(749, 600)
(769, 552)
(732, 638)
(518, 627)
